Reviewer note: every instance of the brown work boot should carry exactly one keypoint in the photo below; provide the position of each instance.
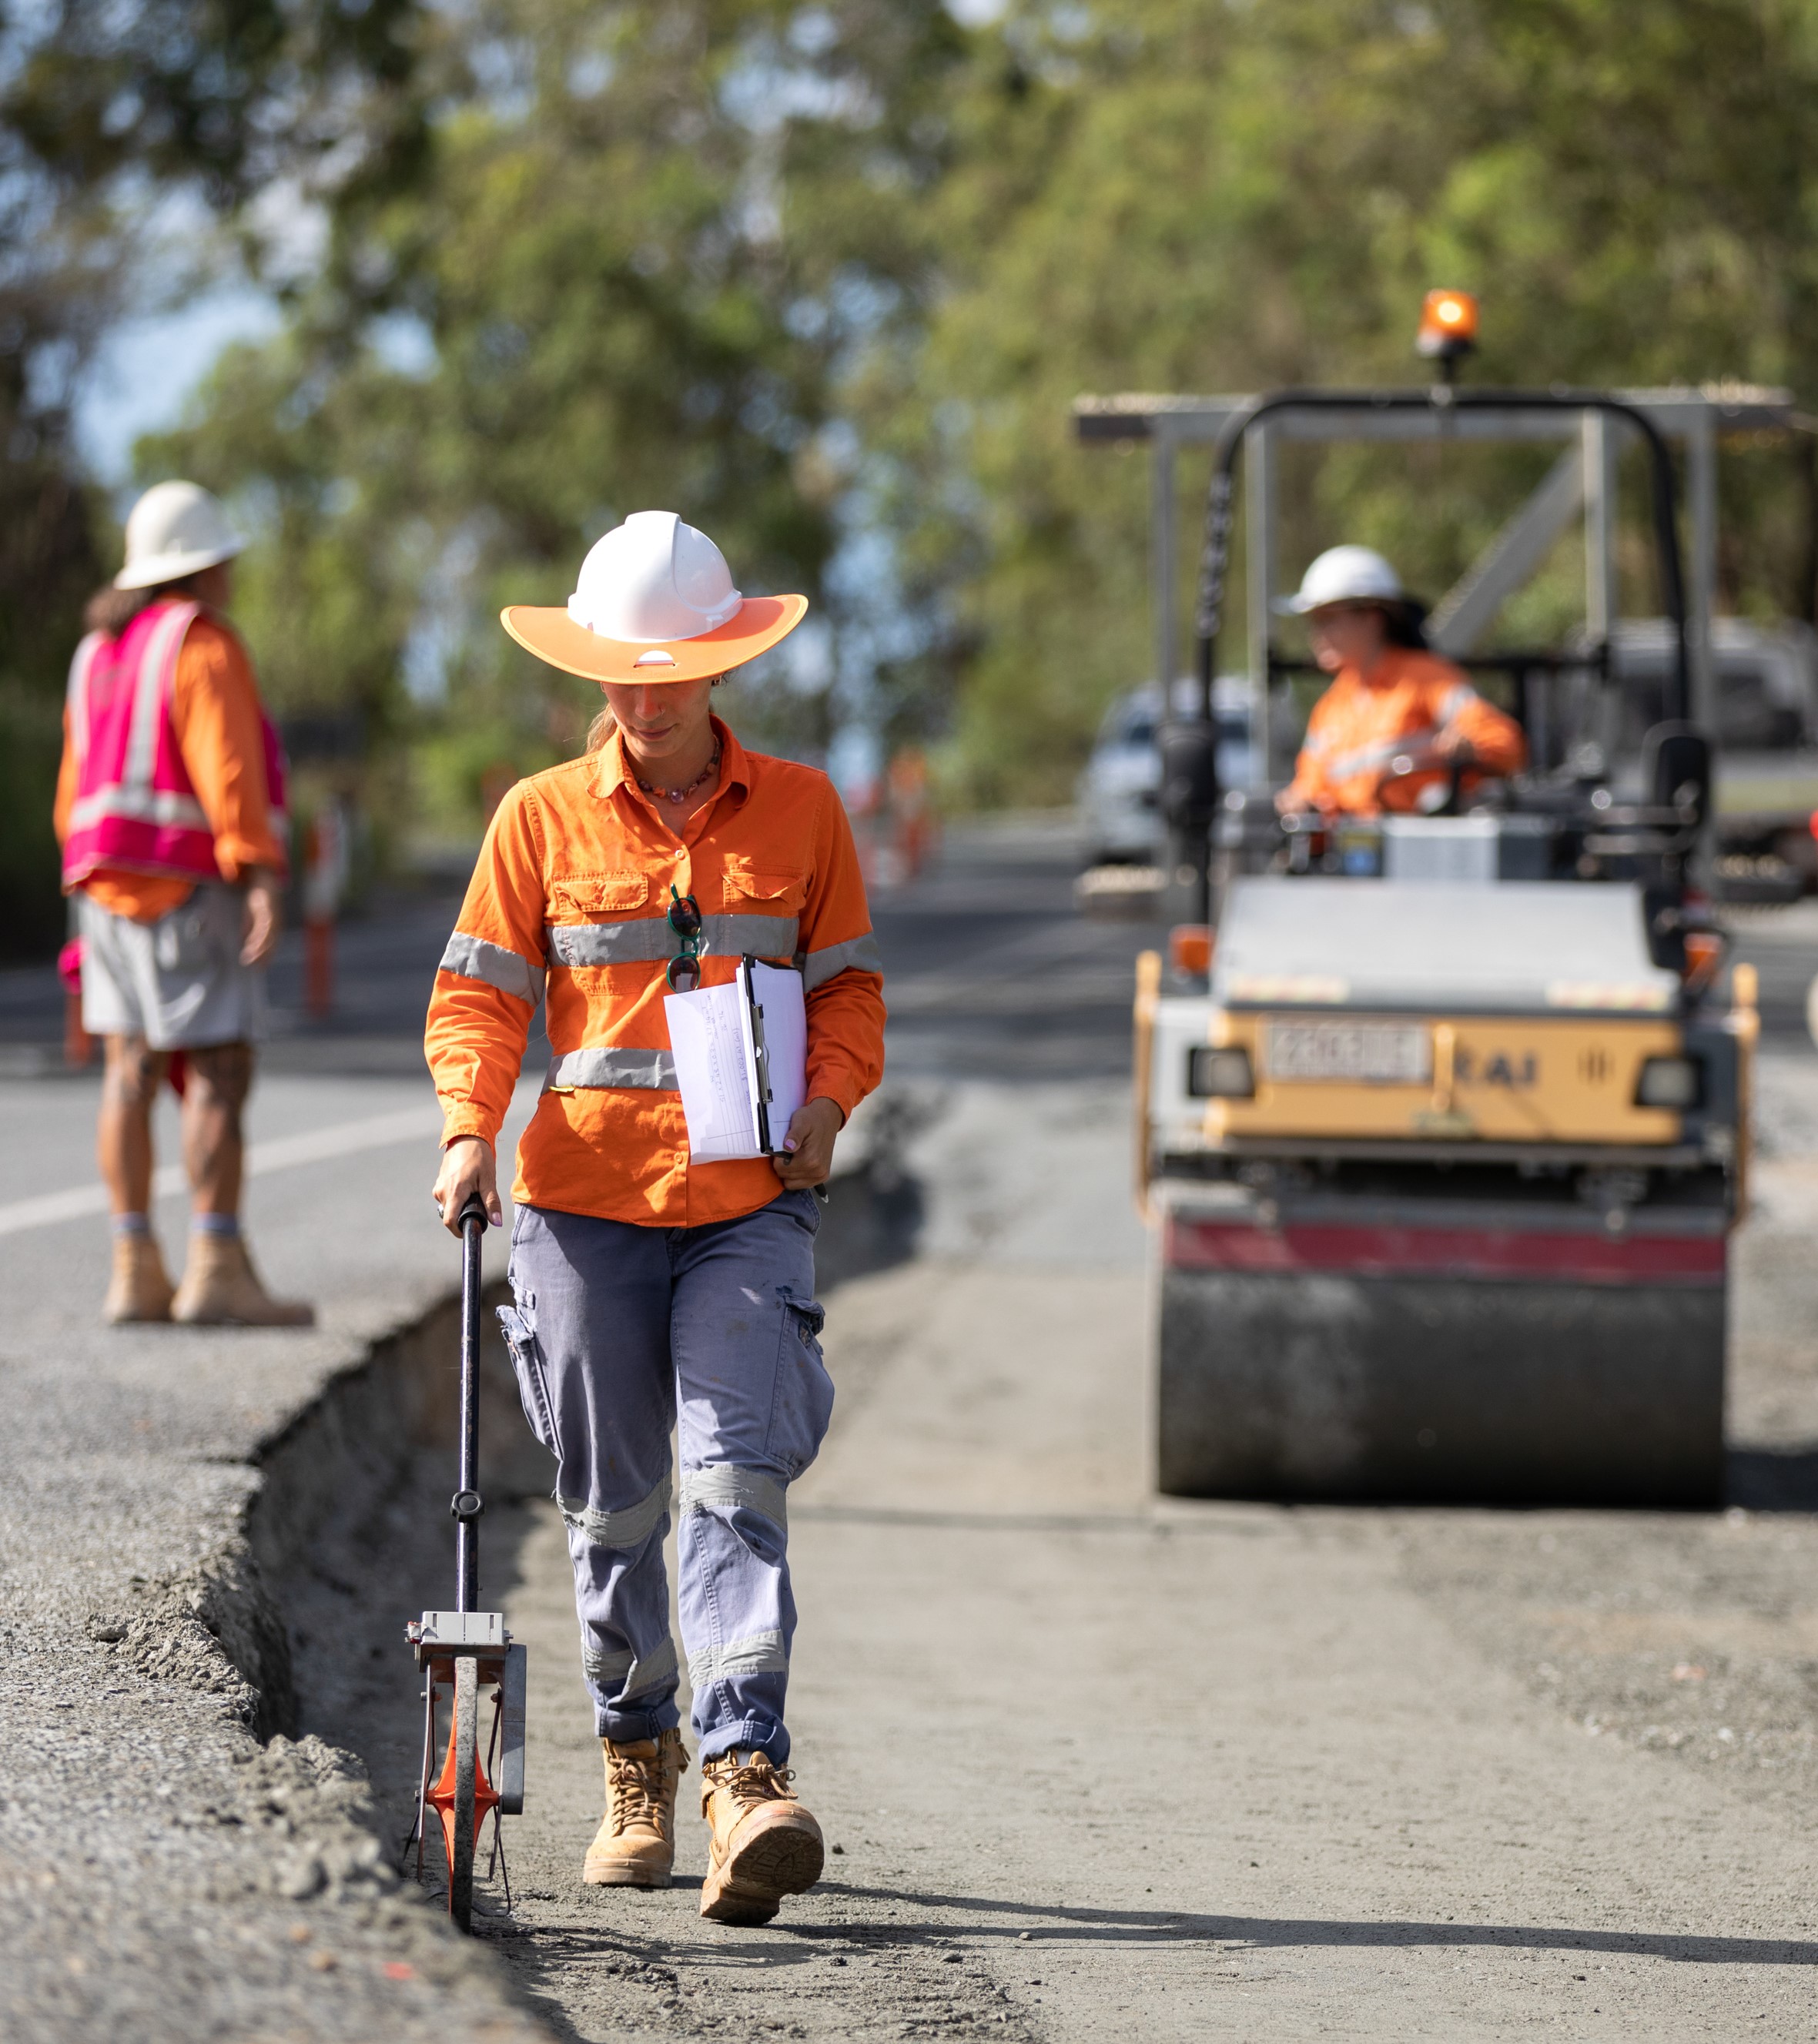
(140, 1289)
(221, 1288)
(764, 1846)
(634, 1846)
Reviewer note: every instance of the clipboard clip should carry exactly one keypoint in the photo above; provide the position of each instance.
(760, 1053)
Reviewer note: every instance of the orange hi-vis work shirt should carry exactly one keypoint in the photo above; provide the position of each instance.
(571, 895)
(1411, 701)
(215, 720)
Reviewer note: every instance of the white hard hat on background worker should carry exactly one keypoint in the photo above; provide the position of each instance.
(1344, 575)
(175, 529)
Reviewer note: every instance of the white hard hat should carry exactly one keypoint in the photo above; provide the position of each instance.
(655, 579)
(1344, 575)
(175, 529)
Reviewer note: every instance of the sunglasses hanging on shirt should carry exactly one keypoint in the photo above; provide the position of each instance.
(683, 972)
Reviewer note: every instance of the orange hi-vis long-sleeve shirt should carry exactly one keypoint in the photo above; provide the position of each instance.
(1410, 701)
(215, 720)
(570, 902)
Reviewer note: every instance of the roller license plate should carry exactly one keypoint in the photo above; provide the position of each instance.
(1366, 1053)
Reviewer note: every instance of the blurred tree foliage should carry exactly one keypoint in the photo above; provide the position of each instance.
(646, 241)
(107, 114)
(826, 279)
(1170, 195)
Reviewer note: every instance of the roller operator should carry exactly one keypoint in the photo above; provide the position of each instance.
(1397, 721)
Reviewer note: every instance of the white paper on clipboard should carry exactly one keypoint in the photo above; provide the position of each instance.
(716, 1034)
(710, 1037)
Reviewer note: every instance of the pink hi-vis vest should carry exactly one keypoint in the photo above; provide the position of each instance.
(135, 806)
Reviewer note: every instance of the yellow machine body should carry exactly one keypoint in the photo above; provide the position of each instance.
(1515, 1079)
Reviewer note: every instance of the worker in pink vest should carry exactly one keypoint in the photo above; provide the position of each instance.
(170, 811)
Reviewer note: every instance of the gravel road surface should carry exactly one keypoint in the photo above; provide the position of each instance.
(1090, 1760)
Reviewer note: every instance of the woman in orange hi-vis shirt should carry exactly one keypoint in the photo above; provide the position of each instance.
(1398, 720)
(651, 1292)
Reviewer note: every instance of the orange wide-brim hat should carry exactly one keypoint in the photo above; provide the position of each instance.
(758, 624)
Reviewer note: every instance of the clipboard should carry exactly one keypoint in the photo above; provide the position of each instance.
(741, 1054)
(777, 1016)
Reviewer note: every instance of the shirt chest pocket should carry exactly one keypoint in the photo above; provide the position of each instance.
(604, 918)
(750, 892)
(593, 897)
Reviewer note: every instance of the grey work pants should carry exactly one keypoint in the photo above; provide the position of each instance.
(619, 1334)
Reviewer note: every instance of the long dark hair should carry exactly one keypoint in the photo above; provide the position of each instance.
(1404, 621)
(110, 610)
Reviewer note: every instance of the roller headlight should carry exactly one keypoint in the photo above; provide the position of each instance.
(1220, 1074)
(1673, 1082)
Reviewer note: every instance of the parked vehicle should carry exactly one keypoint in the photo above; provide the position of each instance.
(1766, 782)
(1120, 821)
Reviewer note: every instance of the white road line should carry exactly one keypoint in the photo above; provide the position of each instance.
(284, 1153)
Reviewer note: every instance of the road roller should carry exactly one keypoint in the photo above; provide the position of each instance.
(1442, 1118)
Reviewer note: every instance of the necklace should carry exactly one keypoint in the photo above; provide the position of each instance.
(682, 794)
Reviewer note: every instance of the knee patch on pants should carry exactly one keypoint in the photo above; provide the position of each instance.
(622, 1675)
(756, 1653)
(629, 1528)
(724, 1488)
(738, 1497)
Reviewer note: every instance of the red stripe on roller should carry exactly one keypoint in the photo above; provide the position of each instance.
(1446, 1252)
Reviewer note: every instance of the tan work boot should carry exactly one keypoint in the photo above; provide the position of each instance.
(221, 1288)
(634, 1846)
(764, 1845)
(140, 1289)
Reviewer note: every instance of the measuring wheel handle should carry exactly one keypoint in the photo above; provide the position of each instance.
(466, 1654)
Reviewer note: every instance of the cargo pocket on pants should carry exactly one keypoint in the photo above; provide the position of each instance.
(803, 1402)
(533, 1383)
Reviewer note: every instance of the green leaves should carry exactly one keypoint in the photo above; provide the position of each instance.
(649, 245)
(1171, 196)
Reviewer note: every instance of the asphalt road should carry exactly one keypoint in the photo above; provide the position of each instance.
(1092, 1762)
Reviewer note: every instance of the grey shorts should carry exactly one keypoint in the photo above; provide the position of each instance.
(178, 981)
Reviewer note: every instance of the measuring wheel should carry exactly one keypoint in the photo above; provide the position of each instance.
(461, 1796)
(457, 1824)
(469, 1657)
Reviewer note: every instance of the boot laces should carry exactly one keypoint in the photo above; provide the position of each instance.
(757, 1779)
(641, 1790)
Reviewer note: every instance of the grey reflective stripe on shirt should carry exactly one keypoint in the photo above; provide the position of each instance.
(856, 954)
(626, 1528)
(613, 1065)
(1380, 754)
(472, 958)
(757, 1654)
(636, 1676)
(645, 940)
(736, 1490)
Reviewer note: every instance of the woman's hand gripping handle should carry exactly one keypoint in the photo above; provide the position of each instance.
(469, 1172)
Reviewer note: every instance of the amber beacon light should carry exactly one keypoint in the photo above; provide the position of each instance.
(1448, 326)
